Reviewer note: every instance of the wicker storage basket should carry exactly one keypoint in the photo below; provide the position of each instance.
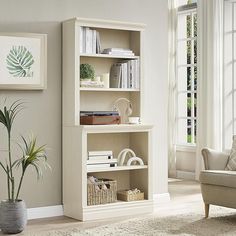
(97, 195)
(124, 196)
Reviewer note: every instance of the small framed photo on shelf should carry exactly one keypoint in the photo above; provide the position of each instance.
(23, 61)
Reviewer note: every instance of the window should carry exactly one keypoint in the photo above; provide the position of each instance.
(186, 74)
(229, 79)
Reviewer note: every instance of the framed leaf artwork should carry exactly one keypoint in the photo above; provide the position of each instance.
(23, 61)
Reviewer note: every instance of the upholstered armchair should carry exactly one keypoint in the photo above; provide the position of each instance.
(218, 185)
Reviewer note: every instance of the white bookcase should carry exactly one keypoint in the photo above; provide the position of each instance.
(79, 139)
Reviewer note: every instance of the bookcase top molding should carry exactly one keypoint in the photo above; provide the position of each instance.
(109, 24)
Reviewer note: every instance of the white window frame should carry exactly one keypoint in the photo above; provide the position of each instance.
(190, 9)
(229, 96)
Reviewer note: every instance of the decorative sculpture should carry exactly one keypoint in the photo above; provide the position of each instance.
(133, 159)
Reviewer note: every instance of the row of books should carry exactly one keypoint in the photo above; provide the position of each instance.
(100, 159)
(125, 74)
(89, 41)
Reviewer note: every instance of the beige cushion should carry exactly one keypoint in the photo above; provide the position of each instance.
(219, 177)
(231, 165)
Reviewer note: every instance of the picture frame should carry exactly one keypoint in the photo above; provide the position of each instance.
(23, 61)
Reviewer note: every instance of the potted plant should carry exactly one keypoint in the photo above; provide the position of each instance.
(13, 217)
(86, 72)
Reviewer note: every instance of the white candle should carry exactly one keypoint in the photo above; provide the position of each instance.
(106, 81)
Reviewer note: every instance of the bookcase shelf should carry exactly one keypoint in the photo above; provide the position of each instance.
(108, 56)
(109, 89)
(78, 139)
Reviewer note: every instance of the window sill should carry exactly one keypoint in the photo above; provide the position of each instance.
(186, 148)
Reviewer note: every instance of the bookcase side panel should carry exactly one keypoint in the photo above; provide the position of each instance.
(73, 172)
(70, 94)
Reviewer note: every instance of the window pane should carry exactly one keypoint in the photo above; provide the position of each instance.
(195, 105)
(195, 78)
(189, 25)
(195, 51)
(184, 52)
(195, 25)
(189, 131)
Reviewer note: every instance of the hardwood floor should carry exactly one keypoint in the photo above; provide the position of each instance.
(184, 195)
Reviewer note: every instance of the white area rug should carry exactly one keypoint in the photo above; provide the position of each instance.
(222, 222)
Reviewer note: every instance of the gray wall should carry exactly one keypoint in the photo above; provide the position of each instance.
(43, 113)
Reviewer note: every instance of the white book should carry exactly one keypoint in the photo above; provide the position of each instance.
(135, 73)
(87, 40)
(124, 79)
(94, 40)
(108, 161)
(117, 50)
(120, 54)
(96, 167)
(100, 153)
(81, 39)
(105, 157)
(138, 73)
(128, 74)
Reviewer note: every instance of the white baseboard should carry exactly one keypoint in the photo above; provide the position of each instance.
(44, 212)
(160, 198)
(185, 175)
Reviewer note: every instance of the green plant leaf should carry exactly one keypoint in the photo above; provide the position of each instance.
(19, 62)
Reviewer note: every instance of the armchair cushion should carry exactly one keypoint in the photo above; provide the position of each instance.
(218, 177)
(231, 165)
(214, 160)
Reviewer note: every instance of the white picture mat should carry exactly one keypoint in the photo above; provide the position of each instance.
(36, 44)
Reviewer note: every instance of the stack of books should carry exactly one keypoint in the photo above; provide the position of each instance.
(125, 74)
(100, 159)
(89, 41)
(118, 52)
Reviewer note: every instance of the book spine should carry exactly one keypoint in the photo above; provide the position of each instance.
(135, 74)
(138, 74)
(87, 36)
(100, 153)
(100, 158)
(94, 41)
(107, 161)
(125, 75)
(81, 39)
(128, 74)
(94, 167)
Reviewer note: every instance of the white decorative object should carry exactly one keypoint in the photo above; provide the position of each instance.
(135, 160)
(97, 79)
(23, 61)
(132, 158)
(124, 107)
(106, 80)
(134, 120)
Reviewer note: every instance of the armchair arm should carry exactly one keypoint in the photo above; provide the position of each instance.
(214, 160)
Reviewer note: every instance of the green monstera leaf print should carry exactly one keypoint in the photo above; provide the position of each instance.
(20, 61)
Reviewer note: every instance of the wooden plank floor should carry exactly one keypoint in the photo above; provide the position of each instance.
(183, 194)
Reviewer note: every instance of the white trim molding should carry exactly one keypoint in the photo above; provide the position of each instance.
(44, 212)
(160, 198)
